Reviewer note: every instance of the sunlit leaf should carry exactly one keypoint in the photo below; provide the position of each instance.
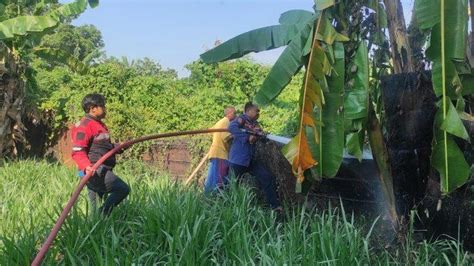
(25, 24)
(466, 116)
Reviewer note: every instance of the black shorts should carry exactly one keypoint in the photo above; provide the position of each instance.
(102, 180)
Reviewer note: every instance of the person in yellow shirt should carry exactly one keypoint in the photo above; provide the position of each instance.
(218, 154)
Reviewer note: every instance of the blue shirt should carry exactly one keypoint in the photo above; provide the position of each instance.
(241, 151)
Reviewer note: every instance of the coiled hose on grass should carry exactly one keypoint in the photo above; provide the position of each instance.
(54, 231)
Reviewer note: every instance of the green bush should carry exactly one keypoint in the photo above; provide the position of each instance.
(144, 99)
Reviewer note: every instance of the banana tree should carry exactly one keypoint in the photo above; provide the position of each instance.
(447, 23)
(336, 108)
(312, 42)
(19, 38)
(334, 99)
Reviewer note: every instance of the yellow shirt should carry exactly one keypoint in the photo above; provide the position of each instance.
(220, 144)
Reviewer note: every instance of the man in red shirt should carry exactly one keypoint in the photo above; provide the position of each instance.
(90, 141)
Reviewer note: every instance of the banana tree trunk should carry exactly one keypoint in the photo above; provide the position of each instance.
(409, 110)
(12, 93)
(402, 54)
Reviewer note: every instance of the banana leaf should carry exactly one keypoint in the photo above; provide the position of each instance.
(262, 39)
(72, 9)
(447, 158)
(286, 66)
(296, 16)
(257, 40)
(453, 124)
(449, 161)
(447, 21)
(298, 151)
(356, 97)
(381, 21)
(453, 32)
(23, 25)
(312, 123)
(330, 149)
(328, 33)
(355, 144)
(427, 13)
(468, 85)
(93, 3)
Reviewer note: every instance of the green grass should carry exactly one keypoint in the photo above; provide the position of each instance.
(168, 223)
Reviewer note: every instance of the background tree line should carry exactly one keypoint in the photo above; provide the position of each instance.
(142, 96)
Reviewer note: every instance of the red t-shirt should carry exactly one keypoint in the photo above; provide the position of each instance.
(90, 141)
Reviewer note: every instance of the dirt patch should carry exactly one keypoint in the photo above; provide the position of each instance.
(449, 217)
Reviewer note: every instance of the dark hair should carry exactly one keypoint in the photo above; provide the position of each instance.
(92, 100)
(249, 106)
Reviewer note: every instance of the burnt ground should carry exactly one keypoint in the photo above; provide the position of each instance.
(357, 189)
(410, 107)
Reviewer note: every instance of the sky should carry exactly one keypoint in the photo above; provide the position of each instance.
(175, 32)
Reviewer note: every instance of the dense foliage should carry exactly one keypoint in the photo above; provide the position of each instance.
(167, 223)
(65, 62)
(23, 24)
(143, 98)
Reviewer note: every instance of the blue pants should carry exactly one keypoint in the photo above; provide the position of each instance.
(217, 175)
(264, 177)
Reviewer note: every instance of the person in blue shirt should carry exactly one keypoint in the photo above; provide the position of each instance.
(245, 131)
